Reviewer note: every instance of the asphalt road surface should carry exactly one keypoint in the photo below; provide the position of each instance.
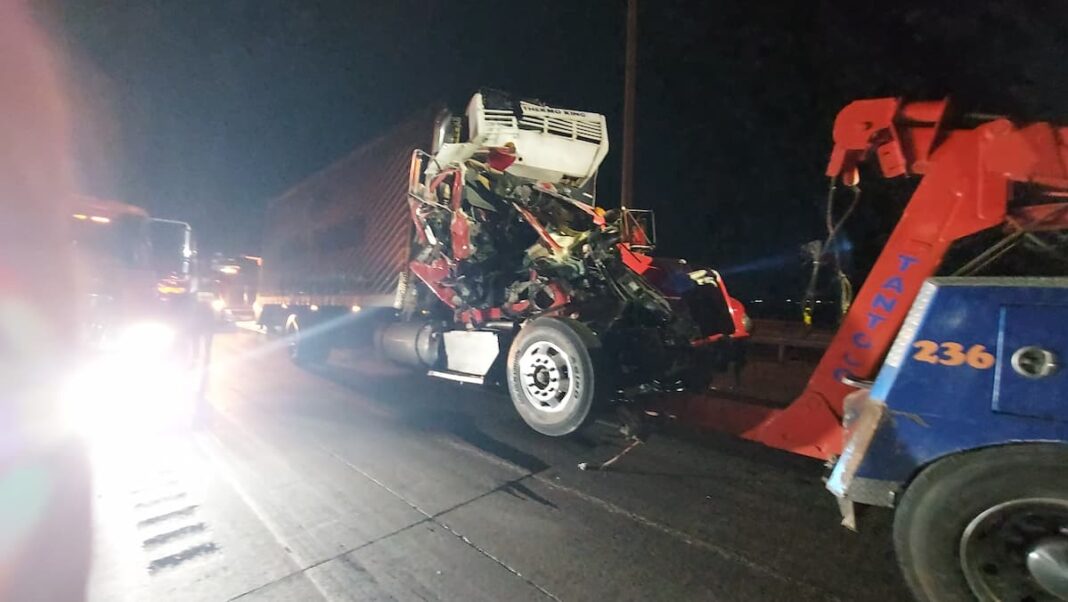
(359, 481)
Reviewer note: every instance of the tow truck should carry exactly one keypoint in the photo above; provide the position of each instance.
(144, 340)
(943, 396)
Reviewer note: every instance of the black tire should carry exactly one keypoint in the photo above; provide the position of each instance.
(565, 401)
(304, 350)
(945, 498)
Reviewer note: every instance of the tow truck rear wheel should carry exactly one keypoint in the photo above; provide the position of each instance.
(552, 376)
(303, 350)
(987, 525)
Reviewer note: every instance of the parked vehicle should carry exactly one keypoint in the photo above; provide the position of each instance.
(232, 284)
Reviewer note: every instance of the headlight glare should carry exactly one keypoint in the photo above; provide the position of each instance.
(147, 338)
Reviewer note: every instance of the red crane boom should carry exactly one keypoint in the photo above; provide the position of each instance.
(968, 178)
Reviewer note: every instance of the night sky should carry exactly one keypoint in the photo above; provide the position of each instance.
(205, 110)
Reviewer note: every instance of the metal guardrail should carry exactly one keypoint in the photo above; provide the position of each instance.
(784, 334)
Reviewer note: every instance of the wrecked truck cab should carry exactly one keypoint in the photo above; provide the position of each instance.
(517, 276)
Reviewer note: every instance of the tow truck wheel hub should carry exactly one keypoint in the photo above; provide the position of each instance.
(1018, 550)
(1048, 563)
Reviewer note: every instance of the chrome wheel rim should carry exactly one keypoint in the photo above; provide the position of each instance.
(546, 374)
(1017, 551)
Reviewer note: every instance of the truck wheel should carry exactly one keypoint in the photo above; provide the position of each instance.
(987, 525)
(551, 375)
(303, 350)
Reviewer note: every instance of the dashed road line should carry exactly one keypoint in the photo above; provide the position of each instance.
(173, 497)
(169, 531)
(173, 560)
(169, 536)
(166, 516)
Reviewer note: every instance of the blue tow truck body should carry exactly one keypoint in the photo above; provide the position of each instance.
(975, 365)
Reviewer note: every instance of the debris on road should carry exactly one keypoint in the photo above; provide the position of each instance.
(635, 442)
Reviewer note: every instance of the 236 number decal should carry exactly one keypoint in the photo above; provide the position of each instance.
(953, 354)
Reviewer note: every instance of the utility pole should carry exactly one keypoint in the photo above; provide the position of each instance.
(630, 77)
